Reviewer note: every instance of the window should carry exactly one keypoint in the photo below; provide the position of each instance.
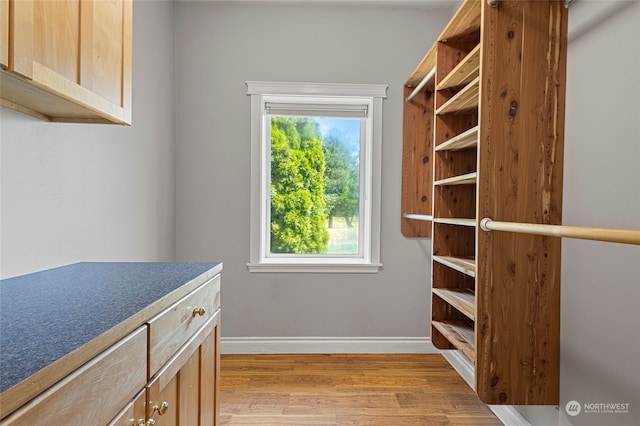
(315, 176)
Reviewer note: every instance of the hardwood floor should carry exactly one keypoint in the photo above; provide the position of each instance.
(346, 390)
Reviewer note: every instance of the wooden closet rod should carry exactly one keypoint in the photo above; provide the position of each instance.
(624, 236)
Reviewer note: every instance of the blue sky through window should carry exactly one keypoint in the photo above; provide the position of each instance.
(345, 129)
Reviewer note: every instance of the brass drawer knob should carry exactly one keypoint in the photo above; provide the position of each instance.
(142, 422)
(162, 408)
(199, 311)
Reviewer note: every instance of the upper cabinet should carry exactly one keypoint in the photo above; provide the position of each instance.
(67, 60)
(4, 33)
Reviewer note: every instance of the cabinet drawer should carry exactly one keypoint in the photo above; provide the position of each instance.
(94, 393)
(170, 329)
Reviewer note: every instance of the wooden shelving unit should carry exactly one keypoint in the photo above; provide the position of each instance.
(496, 151)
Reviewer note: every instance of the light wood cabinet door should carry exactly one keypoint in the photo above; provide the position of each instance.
(185, 390)
(79, 51)
(133, 413)
(4, 33)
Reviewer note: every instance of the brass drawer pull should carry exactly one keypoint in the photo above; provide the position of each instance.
(199, 311)
(141, 422)
(162, 408)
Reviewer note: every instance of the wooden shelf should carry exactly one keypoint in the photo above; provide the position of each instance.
(464, 100)
(462, 299)
(465, 72)
(467, 179)
(455, 221)
(460, 335)
(464, 140)
(466, 265)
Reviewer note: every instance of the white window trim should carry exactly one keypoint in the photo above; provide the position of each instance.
(258, 262)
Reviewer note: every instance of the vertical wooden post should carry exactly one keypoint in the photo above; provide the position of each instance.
(520, 179)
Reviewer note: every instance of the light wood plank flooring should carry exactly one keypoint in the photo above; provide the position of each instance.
(346, 390)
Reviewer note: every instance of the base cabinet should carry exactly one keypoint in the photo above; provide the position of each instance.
(185, 390)
(123, 387)
(94, 393)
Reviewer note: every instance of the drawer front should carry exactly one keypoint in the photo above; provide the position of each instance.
(94, 393)
(170, 329)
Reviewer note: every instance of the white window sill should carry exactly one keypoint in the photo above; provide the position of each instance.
(341, 268)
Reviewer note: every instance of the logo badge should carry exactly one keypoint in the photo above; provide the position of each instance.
(573, 408)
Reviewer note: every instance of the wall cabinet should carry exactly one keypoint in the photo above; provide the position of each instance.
(497, 105)
(4, 34)
(67, 60)
(166, 372)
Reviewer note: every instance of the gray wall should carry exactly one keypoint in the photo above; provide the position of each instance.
(226, 45)
(76, 192)
(94, 192)
(600, 319)
(221, 47)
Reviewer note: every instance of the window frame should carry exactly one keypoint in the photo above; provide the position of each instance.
(371, 168)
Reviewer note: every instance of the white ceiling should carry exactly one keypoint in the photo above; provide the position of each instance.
(397, 3)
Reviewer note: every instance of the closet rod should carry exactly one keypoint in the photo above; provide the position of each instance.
(494, 3)
(421, 85)
(417, 216)
(623, 236)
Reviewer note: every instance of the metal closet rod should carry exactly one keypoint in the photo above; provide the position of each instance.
(494, 3)
(624, 236)
(423, 83)
(417, 216)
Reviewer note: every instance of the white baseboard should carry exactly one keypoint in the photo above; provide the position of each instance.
(326, 345)
(461, 365)
(507, 414)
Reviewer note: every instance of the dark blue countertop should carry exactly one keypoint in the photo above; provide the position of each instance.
(46, 315)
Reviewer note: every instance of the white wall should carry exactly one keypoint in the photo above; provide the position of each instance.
(77, 192)
(600, 328)
(219, 47)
